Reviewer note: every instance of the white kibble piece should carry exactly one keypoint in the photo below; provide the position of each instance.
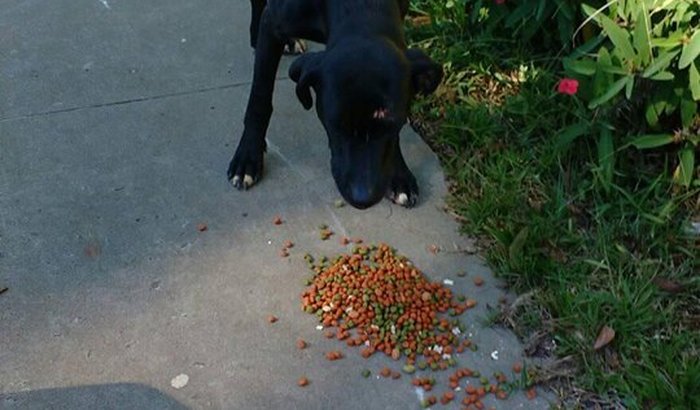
(180, 381)
(494, 355)
(319, 327)
(448, 282)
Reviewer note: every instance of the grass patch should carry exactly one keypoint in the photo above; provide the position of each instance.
(587, 254)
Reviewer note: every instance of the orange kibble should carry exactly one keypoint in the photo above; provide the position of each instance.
(478, 280)
(301, 344)
(272, 319)
(470, 303)
(303, 382)
(284, 253)
(449, 395)
(517, 367)
(277, 220)
(501, 395)
(288, 244)
(531, 393)
(385, 372)
(329, 334)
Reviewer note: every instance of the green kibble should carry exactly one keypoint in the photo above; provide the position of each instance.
(461, 298)
(452, 362)
(461, 274)
(309, 309)
(339, 203)
(484, 380)
(323, 227)
(410, 369)
(474, 347)
(422, 365)
(476, 373)
(433, 366)
(366, 373)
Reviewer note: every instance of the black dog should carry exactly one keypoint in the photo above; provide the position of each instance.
(364, 82)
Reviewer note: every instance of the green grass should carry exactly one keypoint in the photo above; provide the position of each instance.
(592, 254)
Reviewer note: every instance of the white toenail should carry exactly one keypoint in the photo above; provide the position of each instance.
(402, 199)
(248, 180)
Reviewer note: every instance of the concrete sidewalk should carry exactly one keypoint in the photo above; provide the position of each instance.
(117, 122)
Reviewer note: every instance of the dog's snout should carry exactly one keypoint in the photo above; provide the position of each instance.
(362, 196)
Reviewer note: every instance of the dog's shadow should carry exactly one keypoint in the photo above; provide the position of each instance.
(101, 396)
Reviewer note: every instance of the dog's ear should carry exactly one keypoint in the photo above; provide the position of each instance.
(306, 72)
(425, 73)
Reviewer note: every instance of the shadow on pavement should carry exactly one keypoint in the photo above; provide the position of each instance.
(101, 396)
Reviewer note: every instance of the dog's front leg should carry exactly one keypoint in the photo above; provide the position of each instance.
(403, 189)
(246, 166)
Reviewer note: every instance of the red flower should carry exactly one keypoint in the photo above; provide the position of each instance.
(567, 86)
(499, 1)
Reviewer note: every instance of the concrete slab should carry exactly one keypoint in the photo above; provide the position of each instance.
(113, 292)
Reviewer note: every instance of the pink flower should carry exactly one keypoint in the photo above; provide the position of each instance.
(499, 1)
(567, 86)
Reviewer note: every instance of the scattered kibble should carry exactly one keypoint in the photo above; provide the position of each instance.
(366, 373)
(288, 244)
(478, 280)
(339, 203)
(271, 319)
(385, 372)
(303, 382)
(277, 220)
(301, 344)
(517, 367)
(201, 227)
(334, 355)
(531, 393)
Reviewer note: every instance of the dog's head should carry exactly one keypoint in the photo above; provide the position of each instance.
(363, 91)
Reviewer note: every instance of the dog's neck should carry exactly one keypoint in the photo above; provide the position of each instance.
(364, 18)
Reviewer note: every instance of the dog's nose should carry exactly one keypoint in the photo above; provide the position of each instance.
(362, 197)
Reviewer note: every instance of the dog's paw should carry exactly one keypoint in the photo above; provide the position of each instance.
(245, 168)
(295, 47)
(403, 190)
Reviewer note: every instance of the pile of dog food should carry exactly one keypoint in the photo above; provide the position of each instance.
(379, 301)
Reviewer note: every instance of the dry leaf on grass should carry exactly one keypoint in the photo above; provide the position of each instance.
(606, 335)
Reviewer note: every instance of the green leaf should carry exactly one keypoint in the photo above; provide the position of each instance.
(619, 37)
(652, 141)
(628, 86)
(690, 50)
(610, 93)
(613, 69)
(606, 158)
(661, 63)
(663, 76)
(684, 173)
(641, 36)
(584, 66)
(651, 115)
(694, 81)
(688, 110)
(570, 133)
(518, 243)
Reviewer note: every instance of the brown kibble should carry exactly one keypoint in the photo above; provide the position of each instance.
(283, 253)
(288, 244)
(357, 240)
(470, 303)
(303, 382)
(277, 220)
(449, 395)
(301, 344)
(606, 335)
(201, 227)
(517, 367)
(395, 375)
(272, 319)
(478, 280)
(425, 296)
(501, 395)
(531, 393)
(329, 334)
(344, 240)
(385, 372)
(334, 355)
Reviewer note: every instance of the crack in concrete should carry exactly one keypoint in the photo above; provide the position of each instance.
(130, 101)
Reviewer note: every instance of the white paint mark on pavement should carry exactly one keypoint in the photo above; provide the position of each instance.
(104, 3)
